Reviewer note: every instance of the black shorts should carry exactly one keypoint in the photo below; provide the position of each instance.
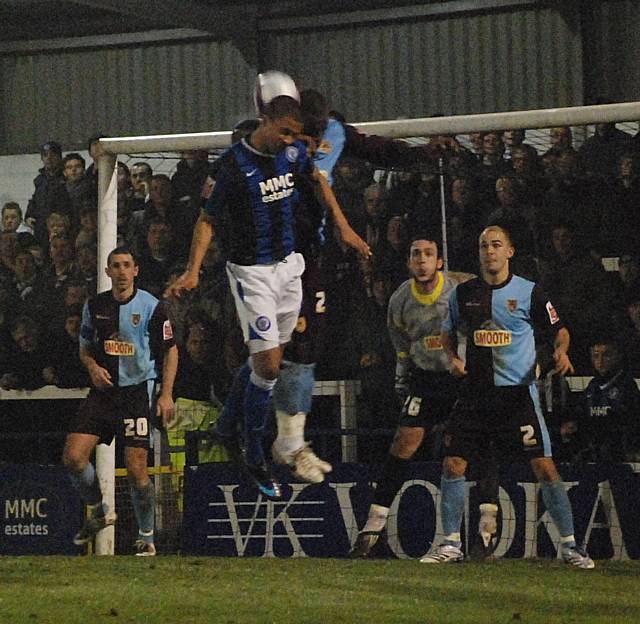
(120, 412)
(506, 419)
(431, 398)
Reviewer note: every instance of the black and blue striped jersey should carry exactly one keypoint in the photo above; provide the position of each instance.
(500, 323)
(252, 203)
(126, 337)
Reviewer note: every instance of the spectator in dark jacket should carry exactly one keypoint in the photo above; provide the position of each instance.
(30, 360)
(607, 428)
(50, 194)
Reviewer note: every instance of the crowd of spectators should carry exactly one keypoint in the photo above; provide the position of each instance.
(566, 209)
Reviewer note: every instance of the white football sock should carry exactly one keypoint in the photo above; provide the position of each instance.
(290, 432)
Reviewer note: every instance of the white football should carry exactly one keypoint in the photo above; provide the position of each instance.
(271, 84)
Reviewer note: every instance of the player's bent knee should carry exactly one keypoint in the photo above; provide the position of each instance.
(136, 462)
(544, 468)
(406, 442)
(73, 461)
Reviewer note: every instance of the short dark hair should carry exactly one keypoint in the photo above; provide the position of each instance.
(283, 106)
(11, 205)
(73, 156)
(146, 165)
(427, 236)
(124, 166)
(122, 250)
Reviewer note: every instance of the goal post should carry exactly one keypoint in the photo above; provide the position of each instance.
(399, 129)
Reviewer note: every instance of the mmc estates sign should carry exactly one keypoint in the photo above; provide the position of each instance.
(224, 516)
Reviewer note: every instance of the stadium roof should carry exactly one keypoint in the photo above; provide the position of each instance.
(24, 24)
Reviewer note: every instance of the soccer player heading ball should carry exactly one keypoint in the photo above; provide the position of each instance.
(251, 212)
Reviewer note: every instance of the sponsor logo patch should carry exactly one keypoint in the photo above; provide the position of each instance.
(119, 348)
(277, 188)
(551, 311)
(135, 320)
(167, 330)
(432, 343)
(491, 338)
(263, 323)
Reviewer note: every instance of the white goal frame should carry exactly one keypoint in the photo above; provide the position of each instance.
(397, 129)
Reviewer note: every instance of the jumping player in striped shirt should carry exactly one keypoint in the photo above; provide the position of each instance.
(251, 210)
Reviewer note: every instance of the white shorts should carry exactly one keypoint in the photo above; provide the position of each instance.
(268, 299)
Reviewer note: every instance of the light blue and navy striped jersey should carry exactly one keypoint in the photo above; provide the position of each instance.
(252, 203)
(126, 337)
(499, 322)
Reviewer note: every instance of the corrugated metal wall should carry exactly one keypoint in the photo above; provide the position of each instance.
(615, 50)
(153, 89)
(502, 59)
(518, 59)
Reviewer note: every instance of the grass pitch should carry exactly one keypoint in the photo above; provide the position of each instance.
(189, 590)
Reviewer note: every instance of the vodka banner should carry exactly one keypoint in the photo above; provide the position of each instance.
(224, 516)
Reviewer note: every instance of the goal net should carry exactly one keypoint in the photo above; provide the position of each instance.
(555, 144)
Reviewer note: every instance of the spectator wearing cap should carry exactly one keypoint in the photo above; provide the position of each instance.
(50, 194)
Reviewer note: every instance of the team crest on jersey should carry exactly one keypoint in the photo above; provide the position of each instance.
(551, 311)
(291, 153)
(135, 320)
(167, 330)
(263, 323)
(512, 305)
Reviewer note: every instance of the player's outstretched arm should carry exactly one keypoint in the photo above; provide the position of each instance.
(202, 236)
(328, 200)
(563, 364)
(166, 407)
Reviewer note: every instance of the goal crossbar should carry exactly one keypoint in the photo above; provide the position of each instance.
(402, 128)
